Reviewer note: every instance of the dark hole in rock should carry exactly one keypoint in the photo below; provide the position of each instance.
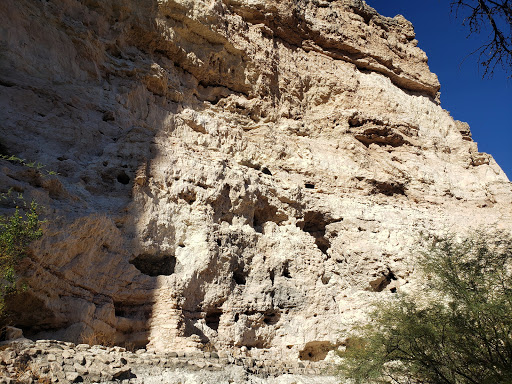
(325, 279)
(314, 222)
(271, 317)
(119, 310)
(188, 195)
(266, 171)
(309, 186)
(138, 311)
(237, 316)
(3, 150)
(8, 84)
(316, 350)
(212, 319)
(355, 121)
(31, 314)
(239, 277)
(388, 188)
(379, 284)
(123, 178)
(239, 273)
(393, 290)
(219, 242)
(61, 158)
(322, 243)
(286, 271)
(108, 116)
(123, 374)
(155, 265)
(272, 276)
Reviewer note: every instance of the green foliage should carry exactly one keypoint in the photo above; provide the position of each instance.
(32, 164)
(16, 233)
(458, 329)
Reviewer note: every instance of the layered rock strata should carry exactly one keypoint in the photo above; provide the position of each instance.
(231, 173)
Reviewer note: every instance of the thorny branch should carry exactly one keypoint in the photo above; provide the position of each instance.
(494, 16)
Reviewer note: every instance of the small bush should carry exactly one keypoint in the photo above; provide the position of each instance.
(457, 330)
(17, 231)
(98, 338)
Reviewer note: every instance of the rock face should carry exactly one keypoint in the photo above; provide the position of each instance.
(231, 173)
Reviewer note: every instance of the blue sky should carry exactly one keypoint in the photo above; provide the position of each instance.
(486, 104)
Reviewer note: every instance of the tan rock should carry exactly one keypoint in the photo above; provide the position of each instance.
(231, 173)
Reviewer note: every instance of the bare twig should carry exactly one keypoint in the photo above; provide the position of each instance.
(494, 16)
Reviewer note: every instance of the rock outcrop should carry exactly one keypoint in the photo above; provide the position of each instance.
(231, 173)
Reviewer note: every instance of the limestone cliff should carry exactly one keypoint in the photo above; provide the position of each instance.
(232, 173)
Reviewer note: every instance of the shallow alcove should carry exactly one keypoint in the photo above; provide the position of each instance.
(188, 195)
(381, 136)
(191, 326)
(379, 284)
(271, 317)
(315, 224)
(212, 318)
(155, 265)
(264, 212)
(316, 350)
(387, 188)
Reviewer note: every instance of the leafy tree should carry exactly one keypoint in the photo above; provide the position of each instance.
(458, 329)
(17, 231)
(494, 16)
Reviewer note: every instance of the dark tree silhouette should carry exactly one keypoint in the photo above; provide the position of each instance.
(493, 17)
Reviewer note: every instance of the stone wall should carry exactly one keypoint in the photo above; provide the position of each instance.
(63, 362)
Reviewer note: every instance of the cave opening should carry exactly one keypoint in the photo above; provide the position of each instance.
(212, 318)
(123, 178)
(155, 265)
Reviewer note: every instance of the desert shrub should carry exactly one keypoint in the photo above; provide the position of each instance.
(98, 338)
(17, 231)
(457, 329)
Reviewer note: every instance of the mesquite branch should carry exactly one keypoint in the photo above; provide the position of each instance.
(494, 17)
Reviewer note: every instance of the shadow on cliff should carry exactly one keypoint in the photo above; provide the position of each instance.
(93, 88)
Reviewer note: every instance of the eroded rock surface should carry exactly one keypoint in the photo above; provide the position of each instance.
(235, 173)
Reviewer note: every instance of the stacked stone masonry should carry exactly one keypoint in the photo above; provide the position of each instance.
(50, 361)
